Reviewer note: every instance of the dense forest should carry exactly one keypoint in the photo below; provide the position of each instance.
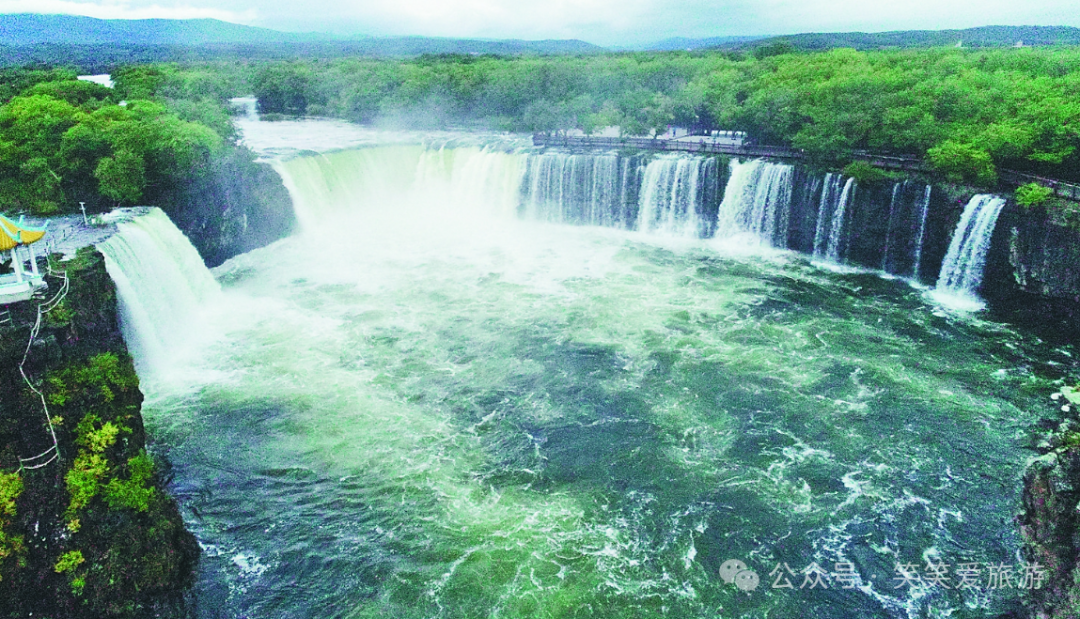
(65, 141)
(981, 37)
(969, 112)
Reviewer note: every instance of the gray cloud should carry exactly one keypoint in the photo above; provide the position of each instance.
(606, 22)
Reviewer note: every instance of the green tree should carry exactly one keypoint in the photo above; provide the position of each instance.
(76, 92)
(122, 176)
(545, 116)
(1032, 195)
(963, 162)
(283, 89)
(138, 82)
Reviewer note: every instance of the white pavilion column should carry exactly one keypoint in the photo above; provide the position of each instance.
(16, 264)
(33, 261)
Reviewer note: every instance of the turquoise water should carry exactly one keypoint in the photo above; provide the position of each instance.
(414, 412)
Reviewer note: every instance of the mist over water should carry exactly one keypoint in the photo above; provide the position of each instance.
(429, 403)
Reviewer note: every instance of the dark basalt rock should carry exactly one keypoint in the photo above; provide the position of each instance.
(1046, 257)
(238, 205)
(137, 561)
(1050, 526)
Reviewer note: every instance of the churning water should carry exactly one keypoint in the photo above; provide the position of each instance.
(428, 405)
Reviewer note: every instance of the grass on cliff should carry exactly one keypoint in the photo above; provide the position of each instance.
(1035, 198)
(11, 545)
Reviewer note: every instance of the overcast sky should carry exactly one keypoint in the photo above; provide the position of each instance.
(604, 22)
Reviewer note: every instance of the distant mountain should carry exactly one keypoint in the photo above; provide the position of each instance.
(412, 46)
(683, 43)
(34, 29)
(985, 36)
(98, 45)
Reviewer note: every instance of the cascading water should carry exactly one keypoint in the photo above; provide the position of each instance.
(906, 229)
(830, 193)
(829, 236)
(162, 285)
(757, 201)
(529, 420)
(581, 189)
(962, 270)
(896, 192)
(666, 195)
(836, 235)
(924, 211)
(472, 181)
(671, 195)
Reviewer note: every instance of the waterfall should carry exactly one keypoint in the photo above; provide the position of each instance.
(473, 181)
(962, 271)
(836, 235)
(403, 180)
(906, 229)
(670, 195)
(161, 283)
(829, 192)
(579, 189)
(757, 201)
(630, 178)
(897, 192)
(829, 234)
(682, 195)
(923, 211)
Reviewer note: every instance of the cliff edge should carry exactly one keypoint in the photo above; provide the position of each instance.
(86, 529)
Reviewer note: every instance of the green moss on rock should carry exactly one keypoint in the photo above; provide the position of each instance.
(11, 545)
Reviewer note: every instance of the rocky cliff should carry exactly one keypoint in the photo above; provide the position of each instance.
(90, 532)
(1045, 256)
(237, 206)
(1033, 275)
(1050, 522)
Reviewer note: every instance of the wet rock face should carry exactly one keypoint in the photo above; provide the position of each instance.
(120, 549)
(1050, 525)
(238, 205)
(1045, 257)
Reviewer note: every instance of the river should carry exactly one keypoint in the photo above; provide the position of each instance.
(431, 402)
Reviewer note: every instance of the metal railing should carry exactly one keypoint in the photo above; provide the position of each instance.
(704, 145)
(1060, 188)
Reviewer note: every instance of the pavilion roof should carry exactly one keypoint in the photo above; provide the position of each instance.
(14, 234)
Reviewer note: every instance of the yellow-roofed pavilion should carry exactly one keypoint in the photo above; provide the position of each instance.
(19, 285)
